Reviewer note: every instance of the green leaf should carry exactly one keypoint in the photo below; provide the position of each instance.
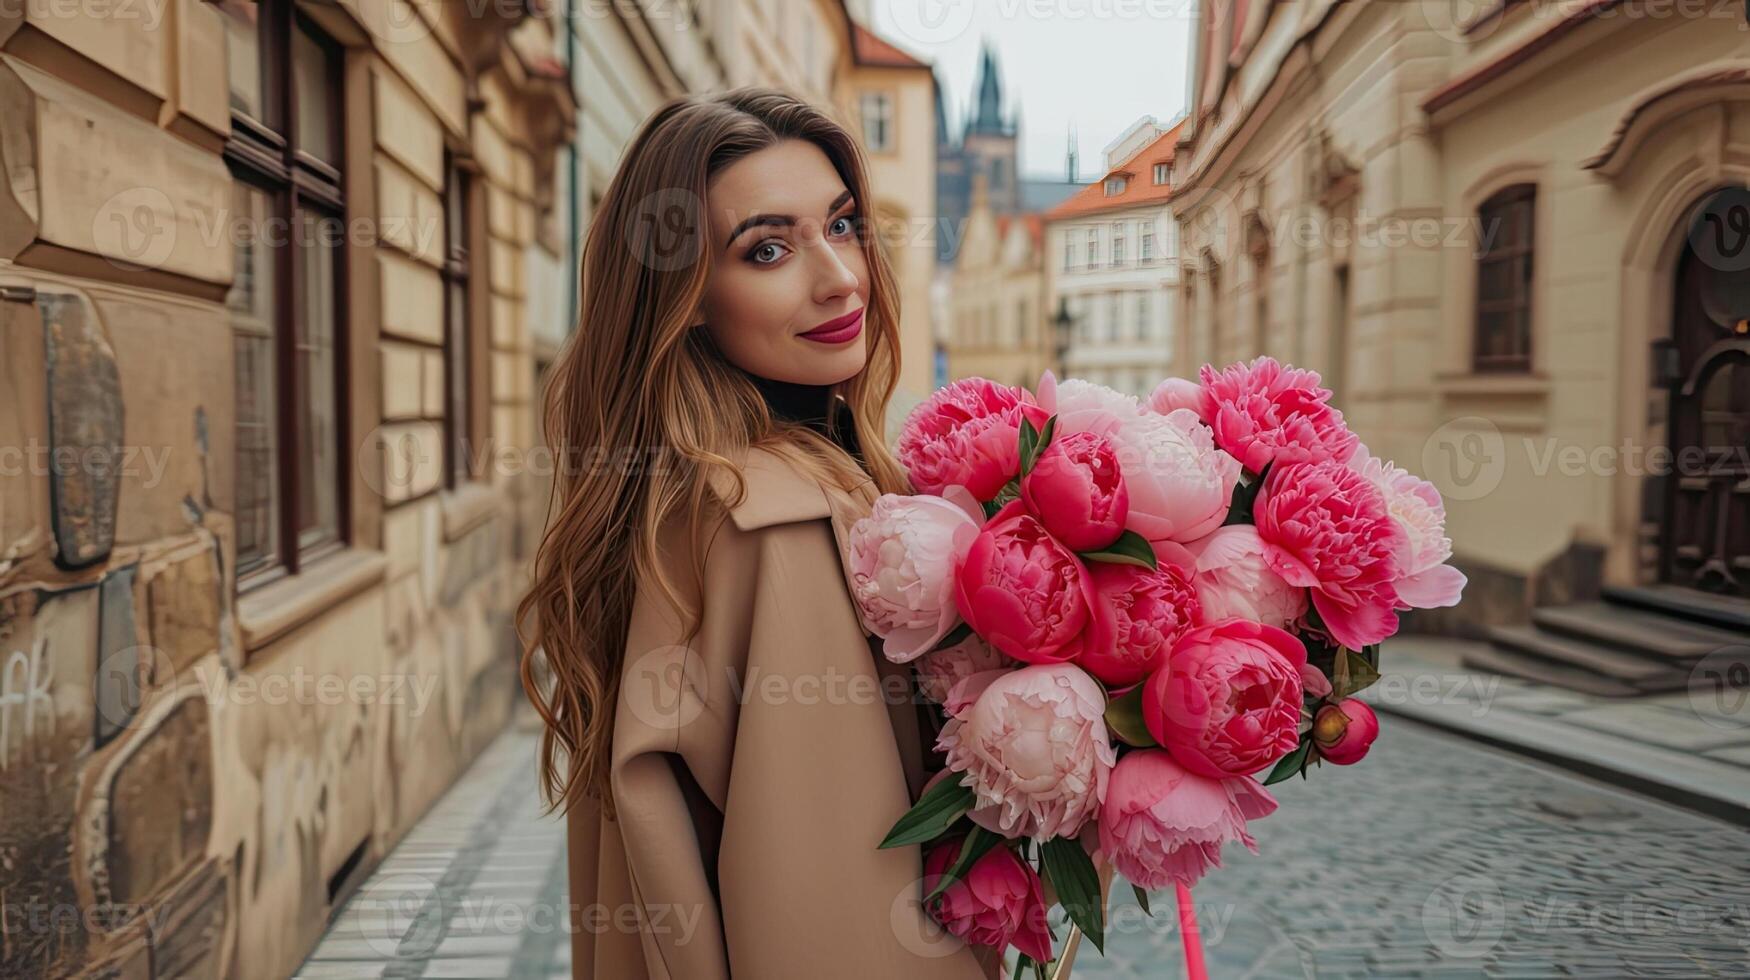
(1029, 445)
(1124, 717)
(932, 814)
(1022, 962)
(1130, 549)
(1072, 875)
(1353, 674)
(974, 846)
(1045, 437)
(1142, 899)
(955, 635)
(1291, 763)
(1245, 496)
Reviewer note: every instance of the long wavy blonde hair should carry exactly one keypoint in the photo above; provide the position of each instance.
(634, 383)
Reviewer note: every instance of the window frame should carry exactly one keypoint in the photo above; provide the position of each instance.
(884, 101)
(1522, 301)
(300, 187)
(459, 337)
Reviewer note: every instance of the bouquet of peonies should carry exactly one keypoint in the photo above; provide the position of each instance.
(1127, 611)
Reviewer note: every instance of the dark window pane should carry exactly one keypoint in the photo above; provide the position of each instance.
(314, 340)
(1502, 338)
(252, 302)
(311, 65)
(243, 51)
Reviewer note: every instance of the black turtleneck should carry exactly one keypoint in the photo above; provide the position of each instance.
(809, 405)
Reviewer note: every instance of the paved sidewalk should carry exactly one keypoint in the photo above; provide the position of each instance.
(1691, 748)
(476, 889)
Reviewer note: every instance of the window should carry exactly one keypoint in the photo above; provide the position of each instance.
(1142, 316)
(878, 121)
(1069, 254)
(1161, 171)
(1117, 244)
(1093, 249)
(1148, 243)
(1022, 328)
(1114, 311)
(1115, 186)
(457, 348)
(1504, 269)
(285, 300)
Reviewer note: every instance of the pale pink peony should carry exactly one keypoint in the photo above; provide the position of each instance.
(1077, 492)
(939, 670)
(1083, 406)
(1263, 412)
(966, 433)
(901, 560)
(1021, 589)
(998, 902)
(1034, 743)
(1424, 580)
(1343, 732)
(1176, 393)
(1234, 579)
(1228, 701)
(1180, 484)
(1163, 825)
(1138, 614)
(1325, 528)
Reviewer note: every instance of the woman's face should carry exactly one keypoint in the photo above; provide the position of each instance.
(788, 261)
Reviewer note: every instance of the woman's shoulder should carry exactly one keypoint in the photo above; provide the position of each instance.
(781, 488)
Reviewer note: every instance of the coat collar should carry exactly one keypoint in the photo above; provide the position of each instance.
(780, 493)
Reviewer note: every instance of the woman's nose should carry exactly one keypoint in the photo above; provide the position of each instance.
(833, 278)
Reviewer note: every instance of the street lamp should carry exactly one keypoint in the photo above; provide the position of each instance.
(1062, 323)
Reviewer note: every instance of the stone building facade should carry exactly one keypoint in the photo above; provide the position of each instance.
(1487, 226)
(263, 327)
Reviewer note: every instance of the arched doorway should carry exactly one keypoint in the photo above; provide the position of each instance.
(1705, 366)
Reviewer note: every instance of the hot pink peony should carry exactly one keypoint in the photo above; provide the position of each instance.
(1325, 527)
(1263, 412)
(901, 561)
(1076, 491)
(1162, 824)
(1138, 614)
(1176, 393)
(1021, 589)
(998, 902)
(1343, 732)
(1034, 743)
(1228, 701)
(939, 670)
(1180, 484)
(1234, 579)
(1424, 580)
(966, 433)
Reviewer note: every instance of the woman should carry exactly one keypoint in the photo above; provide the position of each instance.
(729, 747)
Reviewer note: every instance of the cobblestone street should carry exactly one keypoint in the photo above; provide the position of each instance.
(1434, 857)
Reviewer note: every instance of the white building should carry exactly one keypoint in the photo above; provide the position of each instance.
(1111, 261)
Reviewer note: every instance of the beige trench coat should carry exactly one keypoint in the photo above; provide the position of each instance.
(750, 806)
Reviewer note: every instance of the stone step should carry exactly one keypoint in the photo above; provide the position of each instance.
(1634, 669)
(1665, 637)
(1719, 611)
(1513, 663)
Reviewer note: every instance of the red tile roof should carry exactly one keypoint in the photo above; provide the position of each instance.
(870, 49)
(1035, 226)
(1140, 188)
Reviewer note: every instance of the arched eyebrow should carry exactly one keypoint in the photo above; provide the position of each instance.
(780, 220)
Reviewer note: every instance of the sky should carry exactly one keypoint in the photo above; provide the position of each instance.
(1101, 64)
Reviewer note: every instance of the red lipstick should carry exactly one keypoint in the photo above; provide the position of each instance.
(838, 330)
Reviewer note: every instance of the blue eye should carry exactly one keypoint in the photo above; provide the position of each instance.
(849, 220)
